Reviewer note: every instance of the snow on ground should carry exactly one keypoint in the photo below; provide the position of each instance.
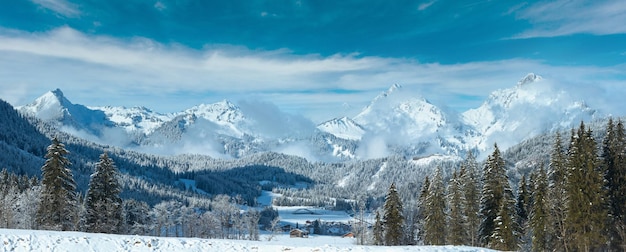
(35, 240)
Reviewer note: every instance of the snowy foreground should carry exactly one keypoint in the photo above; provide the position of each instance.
(33, 240)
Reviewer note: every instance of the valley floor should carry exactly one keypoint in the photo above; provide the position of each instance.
(36, 240)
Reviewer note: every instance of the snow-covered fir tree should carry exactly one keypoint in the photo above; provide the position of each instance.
(421, 212)
(557, 200)
(435, 214)
(539, 225)
(614, 162)
(58, 208)
(587, 208)
(103, 203)
(392, 218)
(378, 230)
(497, 199)
(456, 228)
(471, 195)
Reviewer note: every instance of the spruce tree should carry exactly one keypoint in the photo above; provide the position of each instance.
(503, 237)
(497, 198)
(393, 219)
(378, 230)
(557, 196)
(538, 217)
(523, 200)
(471, 195)
(421, 212)
(58, 208)
(522, 207)
(435, 215)
(586, 214)
(614, 161)
(457, 233)
(103, 203)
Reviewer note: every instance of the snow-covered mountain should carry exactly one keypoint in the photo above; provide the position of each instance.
(530, 108)
(408, 119)
(395, 122)
(344, 128)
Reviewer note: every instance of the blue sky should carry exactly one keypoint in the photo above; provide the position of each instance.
(321, 59)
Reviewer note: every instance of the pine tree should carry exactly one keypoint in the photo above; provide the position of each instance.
(557, 197)
(586, 213)
(471, 195)
(103, 203)
(457, 233)
(393, 218)
(58, 208)
(497, 198)
(378, 230)
(435, 215)
(614, 161)
(539, 222)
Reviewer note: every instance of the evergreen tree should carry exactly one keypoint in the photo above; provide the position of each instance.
(435, 214)
(497, 199)
(614, 160)
(421, 212)
(503, 237)
(586, 214)
(393, 218)
(378, 230)
(457, 233)
(522, 207)
(557, 197)
(471, 196)
(523, 200)
(58, 208)
(136, 217)
(539, 222)
(103, 203)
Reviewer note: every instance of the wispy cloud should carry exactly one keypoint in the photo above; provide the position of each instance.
(425, 5)
(61, 7)
(100, 70)
(566, 17)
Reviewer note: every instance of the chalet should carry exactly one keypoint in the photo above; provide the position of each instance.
(348, 235)
(297, 233)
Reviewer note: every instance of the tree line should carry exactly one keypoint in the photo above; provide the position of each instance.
(55, 204)
(577, 202)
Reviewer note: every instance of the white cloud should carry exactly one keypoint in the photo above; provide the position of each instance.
(566, 17)
(100, 70)
(160, 6)
(425, 5)
(61, 7)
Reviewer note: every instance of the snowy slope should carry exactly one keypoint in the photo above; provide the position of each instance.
(33, 240)
(135, 119)
(530, 108)
(344, 127)
(54, 107)
(408, 120)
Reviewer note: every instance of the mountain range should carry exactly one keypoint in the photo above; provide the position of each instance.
(395, 122)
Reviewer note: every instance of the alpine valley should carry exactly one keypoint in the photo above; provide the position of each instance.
(223, 155)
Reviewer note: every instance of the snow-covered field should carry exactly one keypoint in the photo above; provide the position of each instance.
(34, 240)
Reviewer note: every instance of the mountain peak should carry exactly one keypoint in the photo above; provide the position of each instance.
(529, 78)
(57, 92)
